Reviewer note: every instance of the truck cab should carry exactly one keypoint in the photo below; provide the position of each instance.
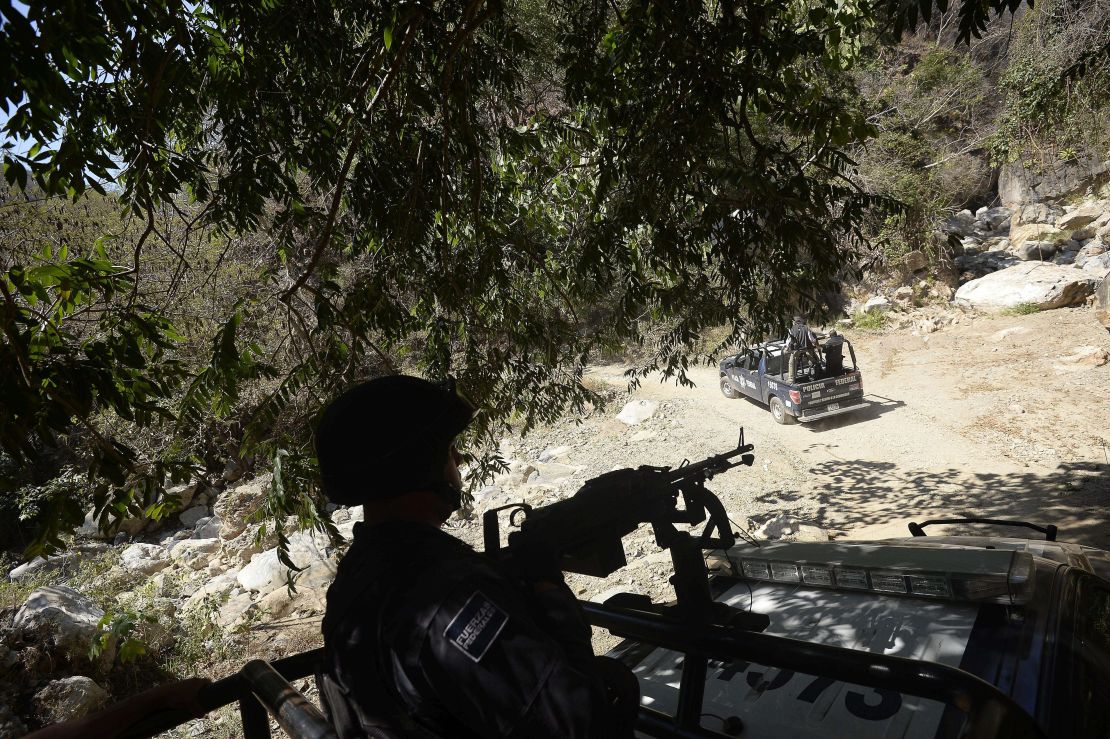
(795, 385)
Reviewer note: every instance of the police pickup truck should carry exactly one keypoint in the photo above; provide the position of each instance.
(1025, 623)
(791, 384)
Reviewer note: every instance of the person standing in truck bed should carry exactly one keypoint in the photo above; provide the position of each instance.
(834, 354)
(801, 338)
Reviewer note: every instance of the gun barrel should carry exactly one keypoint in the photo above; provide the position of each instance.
(709, 466)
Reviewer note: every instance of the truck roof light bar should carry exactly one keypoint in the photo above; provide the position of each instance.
(954, 573)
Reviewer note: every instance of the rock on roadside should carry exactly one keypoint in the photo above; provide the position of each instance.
(190, 516)
(1102, 296)
(1083, 357)
(194, 553)
(69, 698)
(786, 527)
(68, 617)
(637, 411)
(145, 559)
(1045, 285)
(877, 304)
(265, 573)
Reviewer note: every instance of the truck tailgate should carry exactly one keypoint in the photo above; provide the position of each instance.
(830, 396)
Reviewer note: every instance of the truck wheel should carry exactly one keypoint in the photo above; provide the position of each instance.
(728, 390)
(778, 411)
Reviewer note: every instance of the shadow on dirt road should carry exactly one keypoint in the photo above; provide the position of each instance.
(857, 494)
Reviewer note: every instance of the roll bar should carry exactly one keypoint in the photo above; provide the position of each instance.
(918, 529)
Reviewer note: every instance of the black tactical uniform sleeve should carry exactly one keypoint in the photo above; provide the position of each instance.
(499, 661)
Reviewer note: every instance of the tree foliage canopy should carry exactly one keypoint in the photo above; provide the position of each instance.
(489, 189)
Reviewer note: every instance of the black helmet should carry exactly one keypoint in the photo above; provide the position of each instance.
(388, 436)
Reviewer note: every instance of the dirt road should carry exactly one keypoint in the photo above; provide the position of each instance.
(982, 419)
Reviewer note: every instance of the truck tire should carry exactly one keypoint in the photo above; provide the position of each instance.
(728, 390)
(778, 411)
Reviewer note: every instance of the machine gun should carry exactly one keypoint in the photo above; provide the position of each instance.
(585, 530)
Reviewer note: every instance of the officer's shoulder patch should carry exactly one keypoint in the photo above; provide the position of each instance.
(475, 627)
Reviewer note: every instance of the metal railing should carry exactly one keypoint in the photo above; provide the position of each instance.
(260, 688)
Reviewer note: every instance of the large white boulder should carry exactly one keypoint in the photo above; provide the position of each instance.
(346, 528)
(69, 698)
(145, 559)
(184, 493)
(1038, 283)
(312, 588)
(40, 565)
(637, 411)
(1088, 250)
(194, 553)
(265, 573)
(1081, 216)
(70, 618)
(877, 304)
(552, 471)
(1098, 265)
(248, 543)
(236, 609)
(517, 473)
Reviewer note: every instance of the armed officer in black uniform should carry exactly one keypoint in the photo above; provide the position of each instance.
(801, 338)
(423, 636)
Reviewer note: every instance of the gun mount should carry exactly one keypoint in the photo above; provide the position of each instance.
(585, 530)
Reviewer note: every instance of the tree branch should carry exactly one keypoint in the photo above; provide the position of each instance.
(356, 142)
